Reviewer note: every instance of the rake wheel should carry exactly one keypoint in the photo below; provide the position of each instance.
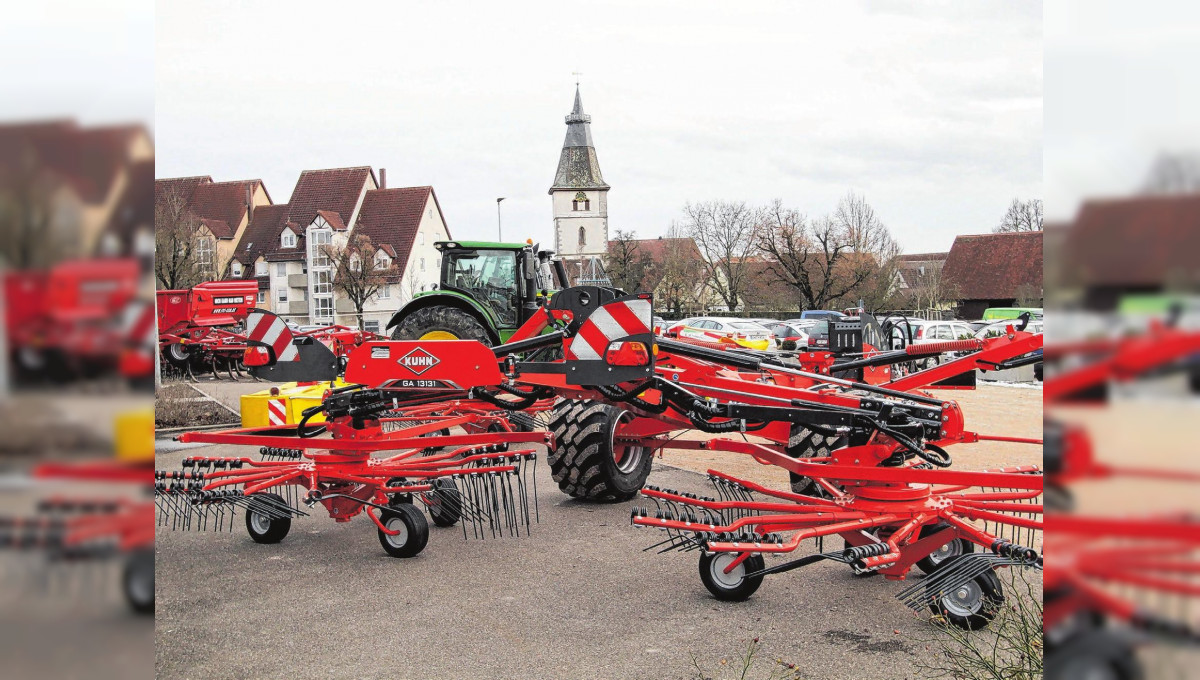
(734, 586)
(944, 554)
(137, 580)
(261, 526)
(587, 462)
(972, 605)
(1095, 654)
(414, 530)
(445, 503)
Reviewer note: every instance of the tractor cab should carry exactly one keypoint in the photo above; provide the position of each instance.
(486, 290)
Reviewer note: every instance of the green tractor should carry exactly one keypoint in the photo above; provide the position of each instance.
(485, 292)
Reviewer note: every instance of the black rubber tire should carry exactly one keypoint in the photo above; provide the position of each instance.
(137, 581)
(1091, 654)
(804, 443)
(414, 523)
(974, 618)
(445, 505)
(452, 320)
(1057, 498)
(956, 547)
(582, 462)
(276, 528)
(177, 354)
(725, 591)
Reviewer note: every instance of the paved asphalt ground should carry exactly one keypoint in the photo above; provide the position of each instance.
(577, 599)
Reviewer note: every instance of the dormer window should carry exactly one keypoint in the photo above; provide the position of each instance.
(381, 260)
(235, 268)
(260, 267)
(581, 202)
(288, 239)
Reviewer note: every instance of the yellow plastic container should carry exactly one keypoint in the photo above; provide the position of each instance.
(284, 403)
(133, 435)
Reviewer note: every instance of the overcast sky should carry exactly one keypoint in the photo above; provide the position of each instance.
(935, 115)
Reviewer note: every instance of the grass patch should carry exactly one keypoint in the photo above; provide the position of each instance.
(182, 406)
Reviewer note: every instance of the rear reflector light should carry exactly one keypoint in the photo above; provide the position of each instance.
(256, 356)
(627, 354)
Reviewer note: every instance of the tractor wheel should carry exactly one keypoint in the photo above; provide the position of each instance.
(177, 354)
(586, 462)
(444, 503)
(734, 586)
(441, 323)
(804, 443)
(261, 526)
(414, 530)
(137, 580)
(935, 559)
(1098, 654)
(972, 605)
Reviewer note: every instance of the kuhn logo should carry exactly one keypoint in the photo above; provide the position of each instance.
(418, 361)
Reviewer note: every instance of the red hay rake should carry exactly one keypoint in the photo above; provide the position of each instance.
(1114, 583)
(73, 531)
(865, 453)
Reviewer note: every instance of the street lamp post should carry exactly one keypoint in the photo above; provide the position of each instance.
(499, 229)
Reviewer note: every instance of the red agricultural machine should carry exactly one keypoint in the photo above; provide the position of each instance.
(76, 531)
(79, 319)
(1114, 584)
(213, 325)
(865, 458)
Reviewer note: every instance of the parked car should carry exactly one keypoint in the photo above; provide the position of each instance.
(996, 328)
(930, 331)
(998, 313)
(672, 328)
(806, 333)
(826, 314)
(745, 333)
(658, 325)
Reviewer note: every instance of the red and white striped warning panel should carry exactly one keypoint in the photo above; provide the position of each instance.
(270, 330)
(277, 411)
(611, 322)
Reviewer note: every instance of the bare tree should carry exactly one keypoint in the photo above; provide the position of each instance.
(175, 240)
(1021, 216)
(678, 278)
(32, 231)
(1174, 173)
(627, 263)
(843, 257)
(726, 233)
(355, 273)
(929, 289)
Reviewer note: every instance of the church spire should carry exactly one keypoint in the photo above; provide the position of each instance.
(578, 167)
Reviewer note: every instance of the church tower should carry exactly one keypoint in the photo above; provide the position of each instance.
(580, 199)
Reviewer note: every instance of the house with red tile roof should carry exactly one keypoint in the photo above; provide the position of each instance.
(284, 245)
(994, 270)
(223, 209)
(84, 173)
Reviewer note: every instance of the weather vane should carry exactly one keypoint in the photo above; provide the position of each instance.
(576, 74)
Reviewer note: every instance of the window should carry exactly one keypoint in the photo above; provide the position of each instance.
(204, 254)
(381, 260)
(236, 268)
(323, 283)
(318, 252)
(582, 237)
(384, 293)
(487, 275)
(281, 295)
(281, 269)
(581, 202)
(260, 268)
(355, 263)
(421, 235)
(323, 309)
(422, 264)
(371, 326)
(287, 239)
(262, 297)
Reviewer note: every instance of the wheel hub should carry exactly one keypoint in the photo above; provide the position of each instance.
(260, 522)
(400, 539)
(966, 600)
(717, 570)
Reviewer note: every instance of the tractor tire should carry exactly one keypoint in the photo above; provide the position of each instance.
(585, 463)
(1096, 654)
(137, 580)
(444, 321)
(445, 503)
(804, 443)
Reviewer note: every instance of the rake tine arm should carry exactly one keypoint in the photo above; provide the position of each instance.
(802, 534)
(730, 505)
(758, 488)
(975, 513)
(985, 496)
(999, 506)
(266, 484)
